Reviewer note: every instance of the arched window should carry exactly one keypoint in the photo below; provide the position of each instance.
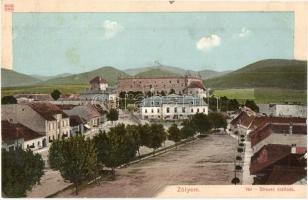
(168, 109)
(146, 110)
(175, 109)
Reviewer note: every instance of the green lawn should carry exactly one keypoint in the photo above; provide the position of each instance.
(264, 95)
(46, 89)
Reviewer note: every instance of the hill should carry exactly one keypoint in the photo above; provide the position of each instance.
(135, 71)
(109, 73)
(10, 78)
(45, 78)
(205, 74)
(156, 73)
(208, 74)
(271, 73)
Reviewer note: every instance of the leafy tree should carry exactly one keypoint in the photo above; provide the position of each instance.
(174, 133)
(21, 170)
(252, 105)
(163, 93)
(157, 136)
(8, 100)
(218, 120)
(122, 94)
(233, 104)
(235, 181)
(55, 154)
(116, 147)
(78, 160)
(187, 131)
(201, 123)
(145, 134)
(55, 94)
(113, 115)
(133, 131)
(172, 91)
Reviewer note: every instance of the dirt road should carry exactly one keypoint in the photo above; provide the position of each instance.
(207, 161)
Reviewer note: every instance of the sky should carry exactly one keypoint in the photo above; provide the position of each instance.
(56, 43)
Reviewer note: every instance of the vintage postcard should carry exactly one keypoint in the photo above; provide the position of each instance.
(159, 99)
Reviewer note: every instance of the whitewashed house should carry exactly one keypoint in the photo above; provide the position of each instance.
(172, 107)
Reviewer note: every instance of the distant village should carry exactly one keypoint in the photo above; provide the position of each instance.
(272, 148)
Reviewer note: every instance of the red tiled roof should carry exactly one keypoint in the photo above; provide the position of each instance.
(243, 119)
(196, 84)
(267, 129)
(13, 131)
(282, 175)
(269, 155)
(47, 110)
(98, 79)
(259, 121)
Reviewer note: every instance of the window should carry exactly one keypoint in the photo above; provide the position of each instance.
(49, 126)
(168, 109)
(146, 110)
(183, 109)
(203, 109)
(175, 110)
(169, 81)
(178, 81)
(152, 111)
(197, 110)
(38, 143)
(157, 110)
(192, 110)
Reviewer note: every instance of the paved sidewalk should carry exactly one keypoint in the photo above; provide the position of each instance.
(247, 178)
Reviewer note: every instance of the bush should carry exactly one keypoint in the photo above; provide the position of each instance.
(238, 158)
(235, 180)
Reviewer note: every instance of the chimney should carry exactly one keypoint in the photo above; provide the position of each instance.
(291, 128)
(293, 149)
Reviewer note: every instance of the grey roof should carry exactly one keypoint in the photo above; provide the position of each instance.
(86, 112)
(157, 101)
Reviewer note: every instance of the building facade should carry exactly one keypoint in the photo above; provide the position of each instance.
(156, 84)
(172, 107)
(44, 118)
(283, 110)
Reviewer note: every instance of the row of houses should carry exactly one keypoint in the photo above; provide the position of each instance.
(278, 146)
(35, 125)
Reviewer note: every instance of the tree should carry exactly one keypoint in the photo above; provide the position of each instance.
(252, 105)
(174, 133)
(145, 134)
(218, 120)
(172, 91)
(157, 136)
(187, 131)
(78, 160)
(116, 147)
(8, 100)
(55, 155)
(201, 123)
(133, 131)
(55, 94)
(21, 170)
(233, 104)
(113, 115)
(163, 93)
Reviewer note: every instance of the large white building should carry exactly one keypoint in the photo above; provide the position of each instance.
(172, 107)
(280, 110)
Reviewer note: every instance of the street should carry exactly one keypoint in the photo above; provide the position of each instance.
(207, 161)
